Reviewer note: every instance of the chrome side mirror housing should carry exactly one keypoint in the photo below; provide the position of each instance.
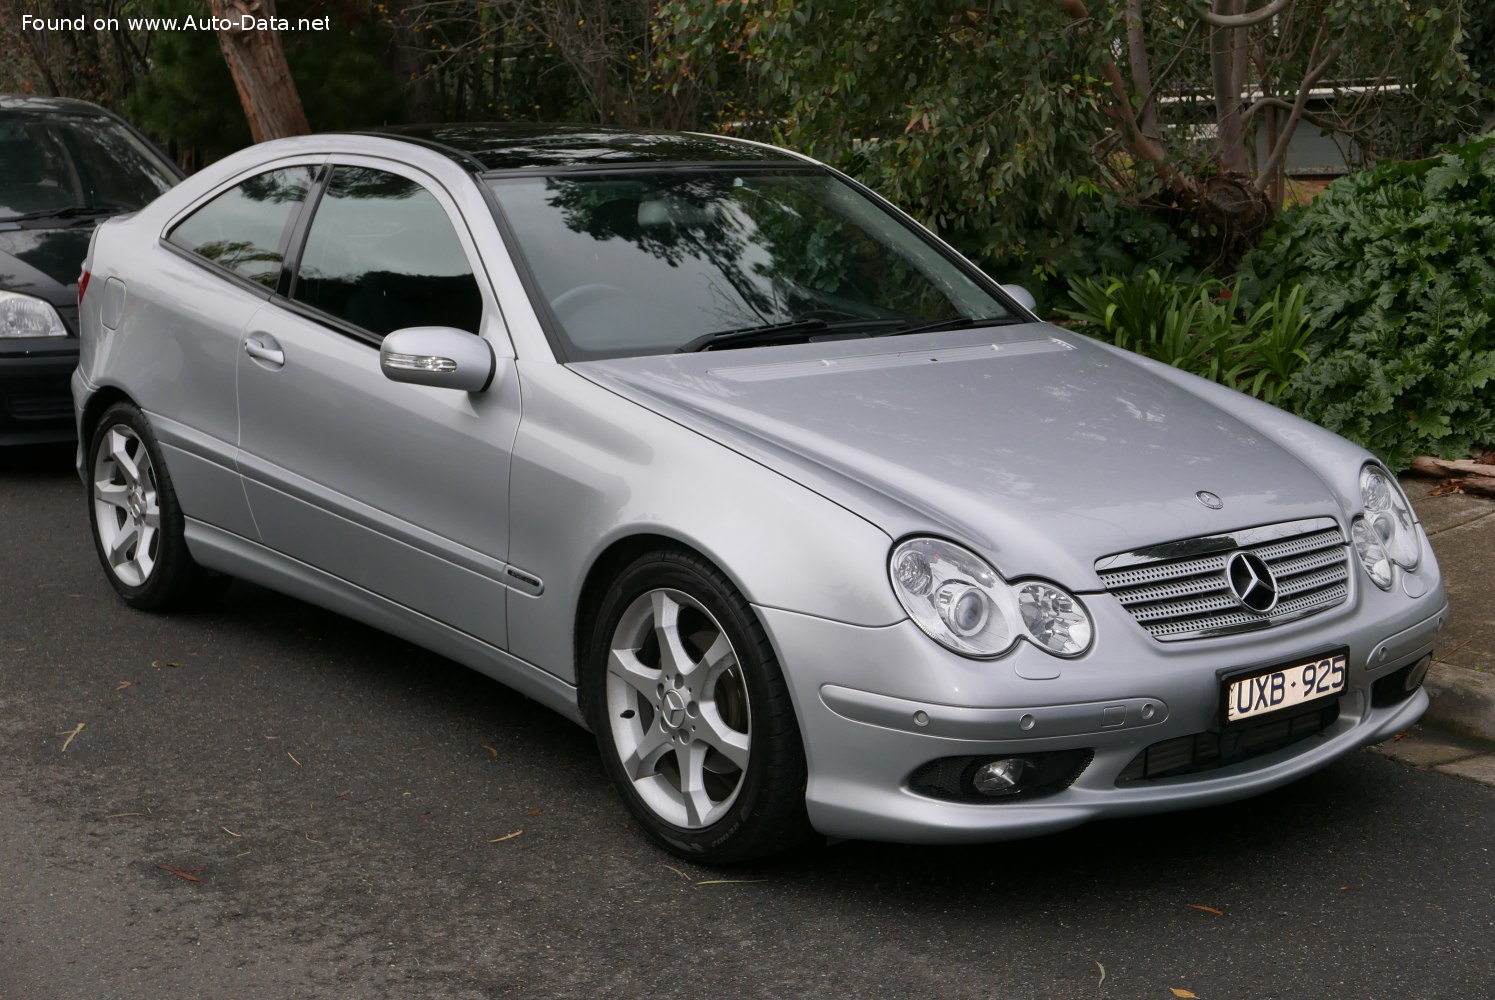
(439, 356)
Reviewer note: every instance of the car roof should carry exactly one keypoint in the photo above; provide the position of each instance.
(54, 105)
(485, 147)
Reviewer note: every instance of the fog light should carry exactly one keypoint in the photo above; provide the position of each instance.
(1418, 674)
(1000, 777)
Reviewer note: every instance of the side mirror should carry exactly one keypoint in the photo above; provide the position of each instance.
(439, 356)
(1023, 296)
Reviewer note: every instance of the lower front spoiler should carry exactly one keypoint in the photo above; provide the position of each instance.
(862, 811)
(864, 748)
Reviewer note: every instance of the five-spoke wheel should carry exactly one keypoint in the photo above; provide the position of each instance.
(692, 714)
(679, 710)
(137, 525)
(126, 505)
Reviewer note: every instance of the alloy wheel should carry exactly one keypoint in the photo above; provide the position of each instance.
(678, 708)
(126, 505)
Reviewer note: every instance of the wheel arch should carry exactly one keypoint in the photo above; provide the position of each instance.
(610, 562)
(102, 398)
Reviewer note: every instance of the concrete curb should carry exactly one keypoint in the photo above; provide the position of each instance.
(1463, 700)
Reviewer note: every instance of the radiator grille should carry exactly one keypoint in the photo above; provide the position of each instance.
(1179, 590)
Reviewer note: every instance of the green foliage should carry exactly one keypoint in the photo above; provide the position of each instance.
(1199, 325)
(1398, 266)
(188, 99)
(979, 120)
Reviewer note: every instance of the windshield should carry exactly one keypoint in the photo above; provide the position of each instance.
(62, 165)
(650, 261)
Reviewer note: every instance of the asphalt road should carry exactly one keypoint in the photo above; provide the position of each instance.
(265, 800)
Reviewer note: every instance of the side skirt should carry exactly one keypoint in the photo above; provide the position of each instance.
(237, 556)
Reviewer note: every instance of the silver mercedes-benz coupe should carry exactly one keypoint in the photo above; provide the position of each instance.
(718, 454)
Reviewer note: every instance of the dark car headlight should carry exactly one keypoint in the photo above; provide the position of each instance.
(28, 316)
(962, 603)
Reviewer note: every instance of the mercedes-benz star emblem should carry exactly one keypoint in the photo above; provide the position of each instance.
(1251, 582)
(1209, 500)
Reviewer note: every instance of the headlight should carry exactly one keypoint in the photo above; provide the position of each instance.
(1372, 554)
(964, 605)
(1390, 515)
(28, 316)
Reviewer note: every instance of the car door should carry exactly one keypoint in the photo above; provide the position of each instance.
(215, 267)
(398, 489)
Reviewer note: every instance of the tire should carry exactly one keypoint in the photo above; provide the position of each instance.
(698, 735)
(137, 524)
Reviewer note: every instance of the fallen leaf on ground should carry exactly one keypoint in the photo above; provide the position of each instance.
(1445, 487)
(1102, 969)
(507, 836)
(293, 758)
(70, 734)
(167, 664)
(1344, 888)
(1208, 909)
(1184, 994)
(1398, 737)
(491, 750)
(123, 685)
(677, 871)
(534, 812)
(182, 874)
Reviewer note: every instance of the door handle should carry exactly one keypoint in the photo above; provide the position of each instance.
(262, 347)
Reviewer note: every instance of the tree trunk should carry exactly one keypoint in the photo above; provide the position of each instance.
(258, 64)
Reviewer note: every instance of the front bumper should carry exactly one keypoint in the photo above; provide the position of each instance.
(877, 704)
(36, 404)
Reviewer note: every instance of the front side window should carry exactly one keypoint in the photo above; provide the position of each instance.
(381, 254)
(245, 229)
(646, 261)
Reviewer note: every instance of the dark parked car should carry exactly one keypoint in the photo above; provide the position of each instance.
(64, 166)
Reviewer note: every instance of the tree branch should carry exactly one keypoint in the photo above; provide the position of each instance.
(1120, 111)
(1299, 105)
(1247, 19)
(1136, 44)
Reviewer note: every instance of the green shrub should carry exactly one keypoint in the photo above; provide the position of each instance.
(1200, 325)
(1398, 268)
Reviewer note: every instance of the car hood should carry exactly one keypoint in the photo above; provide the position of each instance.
(1032, 444)
(44, 261)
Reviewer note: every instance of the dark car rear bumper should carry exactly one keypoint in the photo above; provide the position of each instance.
(36, 402)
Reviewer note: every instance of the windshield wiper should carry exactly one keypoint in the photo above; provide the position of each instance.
(786, 332)
(71, 212)
(952, 323)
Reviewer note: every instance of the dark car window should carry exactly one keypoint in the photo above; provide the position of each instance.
(245, 228)
(644, 261)
(382, 254)
(61, 162)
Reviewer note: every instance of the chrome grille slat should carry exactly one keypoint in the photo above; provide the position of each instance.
(1188, 597)
(1296, 545)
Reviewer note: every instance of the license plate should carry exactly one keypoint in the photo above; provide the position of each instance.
(1285, 687)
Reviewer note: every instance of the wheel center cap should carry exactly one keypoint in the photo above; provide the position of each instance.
(673, 709)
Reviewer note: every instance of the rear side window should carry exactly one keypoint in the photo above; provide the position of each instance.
(381, 254)
(245, 229)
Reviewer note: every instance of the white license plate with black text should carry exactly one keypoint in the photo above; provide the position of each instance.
(1278, 689)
